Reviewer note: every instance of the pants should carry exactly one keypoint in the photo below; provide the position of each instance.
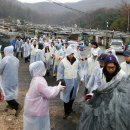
(17, 54)
(85, 91)
(27, 59)
(68, 106)
(13, 104)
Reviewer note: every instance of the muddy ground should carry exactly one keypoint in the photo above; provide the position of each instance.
(9, 122)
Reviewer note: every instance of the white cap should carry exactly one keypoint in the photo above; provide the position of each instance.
(69, 51)
(95, 53)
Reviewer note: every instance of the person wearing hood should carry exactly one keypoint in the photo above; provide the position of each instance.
(95, 47)
(36, 105)
(34, 48)
(77, 53)
(111, 51)
(18, 47)
(94, 81)
(40, 56)
(91, 64)
(111, 71)
(47, 54)
(9, 66)
(66, 44)
(125, 66)
(0, 53)
(68, 74)
(58, 56)
(26, 51)
(52, 52)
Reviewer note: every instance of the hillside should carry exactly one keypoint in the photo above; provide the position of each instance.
(14, 9)
(84, 5)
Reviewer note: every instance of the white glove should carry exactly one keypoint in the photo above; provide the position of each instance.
(90, 94)
(62, 88)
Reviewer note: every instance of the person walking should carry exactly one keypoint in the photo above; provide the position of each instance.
(9, 66)
(36, 107)
(68, 75)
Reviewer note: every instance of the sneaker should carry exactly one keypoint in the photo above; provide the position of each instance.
(19, 110)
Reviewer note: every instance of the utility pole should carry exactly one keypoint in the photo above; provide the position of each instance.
(128, 24)
(107, 25)
(107, 34)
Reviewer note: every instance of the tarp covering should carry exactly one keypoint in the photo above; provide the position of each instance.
(109, 109)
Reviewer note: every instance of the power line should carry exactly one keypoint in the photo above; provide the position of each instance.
(67, 7)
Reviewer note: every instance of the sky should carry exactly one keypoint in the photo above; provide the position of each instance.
(61, 1)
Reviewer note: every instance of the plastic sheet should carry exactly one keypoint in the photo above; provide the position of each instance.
(109, 109)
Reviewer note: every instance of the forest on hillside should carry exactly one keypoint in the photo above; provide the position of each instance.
(113, 19)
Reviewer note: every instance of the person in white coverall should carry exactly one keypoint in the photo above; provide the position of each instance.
(58, 56)
(125, 66)
(36, 107)
(91, 64)
(68, 70)
(94, 81)
(27, 51)
(47, 54)
(111, 72)
(9, 66)
(95, 47)
(34, 48)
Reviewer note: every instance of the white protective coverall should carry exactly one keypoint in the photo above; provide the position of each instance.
(69, 73)
(9, 66)
(47, 54)
(94, 81)
(33, 53)
(59, 55)
(126, 68)
(40, 56)
(98, 50)
(26, 49)
(121, 74)
(91, 64)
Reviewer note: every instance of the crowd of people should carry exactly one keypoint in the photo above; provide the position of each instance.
(70, 69)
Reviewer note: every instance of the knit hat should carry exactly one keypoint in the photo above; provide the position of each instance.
(126, 53)
(110, 59)
(102, 57)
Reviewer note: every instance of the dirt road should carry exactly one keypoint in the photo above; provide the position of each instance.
(9, 122)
